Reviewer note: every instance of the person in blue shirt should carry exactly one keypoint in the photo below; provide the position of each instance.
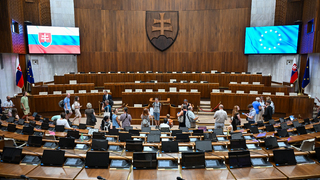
(67, 107)
(257, 106)
(107, 108)
(115, 119)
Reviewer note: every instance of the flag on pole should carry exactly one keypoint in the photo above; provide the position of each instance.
(30, 78)
(306, 76)
(294, 73)
(19, 76)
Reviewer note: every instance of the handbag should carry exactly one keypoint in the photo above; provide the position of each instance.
(93, 118)
(180, 119)
(107, 113)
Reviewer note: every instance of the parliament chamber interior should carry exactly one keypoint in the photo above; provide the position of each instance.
(159, 89)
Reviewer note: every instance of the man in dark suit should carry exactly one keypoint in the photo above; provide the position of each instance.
(107, 96)
(268, 111)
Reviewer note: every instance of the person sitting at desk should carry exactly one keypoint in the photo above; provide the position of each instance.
(170, 121)
(8, 105)
(63, 121)
(268, 111)
(164, 124)
(251, 116)
(15, 113)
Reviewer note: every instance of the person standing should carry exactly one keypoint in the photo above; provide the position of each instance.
(220, 116)
(257, 106)
(251, 116)
(25, 105)
(77, 107)
(156, 112)
(268, 111)
(107, 109)
(89, 113)
(115, 119)
(125, 118)
(182, 116)
(8, 105)
(272, 104)
(67, 107)
(191, 119)
(236, 120)
(145, 118)
(263, 105)
(108, 97)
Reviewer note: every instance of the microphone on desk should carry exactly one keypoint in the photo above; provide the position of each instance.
(99, 177)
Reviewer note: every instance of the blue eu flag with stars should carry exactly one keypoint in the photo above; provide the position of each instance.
(306, 76)
(30, 78)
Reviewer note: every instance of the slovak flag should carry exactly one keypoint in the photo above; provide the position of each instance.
(294, 73)
(19, 76)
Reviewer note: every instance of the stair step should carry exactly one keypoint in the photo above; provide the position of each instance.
(205, 102)
(205, 106)
(205, 113)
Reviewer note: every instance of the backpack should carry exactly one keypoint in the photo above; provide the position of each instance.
(61, 103)
(145, 123)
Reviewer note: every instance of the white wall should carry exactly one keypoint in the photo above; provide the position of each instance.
(262, 12)
(62, 14)
(313, 88)
(274, 65)
(49, 65)
(8, 77)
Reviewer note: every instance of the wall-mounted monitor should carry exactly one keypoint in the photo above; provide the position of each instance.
(53, 40)
(272, 40)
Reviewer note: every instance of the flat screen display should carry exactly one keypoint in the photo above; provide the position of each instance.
(272, 40)
(53, 40)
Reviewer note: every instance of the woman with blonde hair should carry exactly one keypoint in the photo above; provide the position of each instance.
(236, 120)
(89, 113)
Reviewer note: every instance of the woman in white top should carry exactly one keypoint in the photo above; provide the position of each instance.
(63, 121)
(76, 106)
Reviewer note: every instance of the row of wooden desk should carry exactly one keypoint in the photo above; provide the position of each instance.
(50, 88)
(222, 79)
(47, 105)
(260, 88)
(284, 105)
(117, 89)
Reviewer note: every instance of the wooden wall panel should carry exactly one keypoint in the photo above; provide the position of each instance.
(38, 12)
(113, 35)
(309, 13)
(5, 30)
(16, 12)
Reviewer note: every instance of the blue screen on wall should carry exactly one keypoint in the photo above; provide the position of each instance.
(272, 40)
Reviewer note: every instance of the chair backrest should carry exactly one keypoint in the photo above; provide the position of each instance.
(307, 145)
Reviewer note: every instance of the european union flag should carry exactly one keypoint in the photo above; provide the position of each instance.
(306, 76)
(30, 78)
